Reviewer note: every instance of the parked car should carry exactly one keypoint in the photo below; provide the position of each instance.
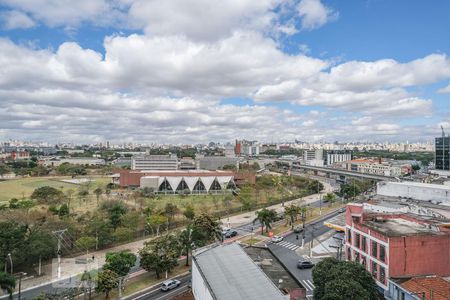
(230, 233)
(276, 239)
(305, 264)
(342, 210)
(170, 284)
(298, 229)
(225, 230)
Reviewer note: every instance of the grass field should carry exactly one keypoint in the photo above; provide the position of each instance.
(24, 187)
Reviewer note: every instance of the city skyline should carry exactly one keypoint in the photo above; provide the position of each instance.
(195, 71)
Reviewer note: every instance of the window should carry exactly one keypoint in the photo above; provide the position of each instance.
(374, 249)
(349, 254)
(357, 257)
(363, 244)
(382, 275)
(382, 253)
(357, 240)
(363, 261)
(374, 269)
(349, 236)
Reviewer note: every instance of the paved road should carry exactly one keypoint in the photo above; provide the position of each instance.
(157, 294)
(285, 252)
(58, 286)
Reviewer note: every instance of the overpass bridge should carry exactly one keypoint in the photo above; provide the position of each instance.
(296, 166)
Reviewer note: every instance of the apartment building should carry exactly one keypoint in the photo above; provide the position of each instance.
(395, 245)
(378, 167)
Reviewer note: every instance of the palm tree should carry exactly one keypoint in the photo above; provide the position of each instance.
(292, 211)
(7, 283)
(265, 217)
(303, 211)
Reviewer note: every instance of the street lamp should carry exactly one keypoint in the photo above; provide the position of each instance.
(10, 260)
(21, 274)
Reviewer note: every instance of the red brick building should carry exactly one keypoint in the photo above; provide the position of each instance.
(397, 244)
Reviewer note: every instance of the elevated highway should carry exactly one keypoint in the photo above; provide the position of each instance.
(296, 166)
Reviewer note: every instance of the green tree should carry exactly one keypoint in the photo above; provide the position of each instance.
(160, 255)
(328, 274)
(101, 229)
(156, 221)
(208, 226)
(119, 262)
(47, 195)
(342, 289)
(292, 211)
(190, 238)
(265, 217)
(86, 243)
(189, 212)
(83, 194)
(123, 234)
(4, 169)
(227, 202)
(7, 283)
(116, 213)
(13, 240)
(170, 211)
(63, 211)
(26, 204)
(41, 245)
(88, 280)
(98, 192)
(246, 197)
(107, 280)
(330, 198)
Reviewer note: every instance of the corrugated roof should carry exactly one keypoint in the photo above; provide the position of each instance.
(435, 288)
(232, 275)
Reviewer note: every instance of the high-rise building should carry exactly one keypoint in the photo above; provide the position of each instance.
(442, 154)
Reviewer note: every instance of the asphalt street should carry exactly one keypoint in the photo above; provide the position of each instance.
(285, 252)
(157, 294)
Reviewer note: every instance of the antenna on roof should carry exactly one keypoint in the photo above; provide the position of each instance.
(443, 133)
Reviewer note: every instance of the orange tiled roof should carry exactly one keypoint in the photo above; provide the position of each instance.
(437, 287)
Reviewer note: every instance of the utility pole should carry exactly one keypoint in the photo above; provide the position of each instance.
(59, 235)
(320, 198)
(312, 240)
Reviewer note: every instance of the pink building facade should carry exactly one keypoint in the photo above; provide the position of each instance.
(396, 245)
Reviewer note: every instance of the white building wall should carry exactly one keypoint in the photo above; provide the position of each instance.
(418, 191)
(199, 287)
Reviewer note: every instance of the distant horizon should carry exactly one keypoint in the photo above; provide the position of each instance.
(186, 71)
(112, 143)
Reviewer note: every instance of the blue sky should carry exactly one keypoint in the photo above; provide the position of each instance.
(199, 70)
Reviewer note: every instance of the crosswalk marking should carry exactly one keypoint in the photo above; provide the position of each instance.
(309, 286)
(288, 245)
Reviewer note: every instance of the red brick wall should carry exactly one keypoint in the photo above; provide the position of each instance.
(419, 255)
(129, 178)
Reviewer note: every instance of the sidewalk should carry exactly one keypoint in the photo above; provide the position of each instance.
(134, 247)
(245, 218)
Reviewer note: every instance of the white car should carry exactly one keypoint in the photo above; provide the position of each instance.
(276, 239)
(170, 284)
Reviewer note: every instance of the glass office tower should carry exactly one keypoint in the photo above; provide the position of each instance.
(442, 154)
